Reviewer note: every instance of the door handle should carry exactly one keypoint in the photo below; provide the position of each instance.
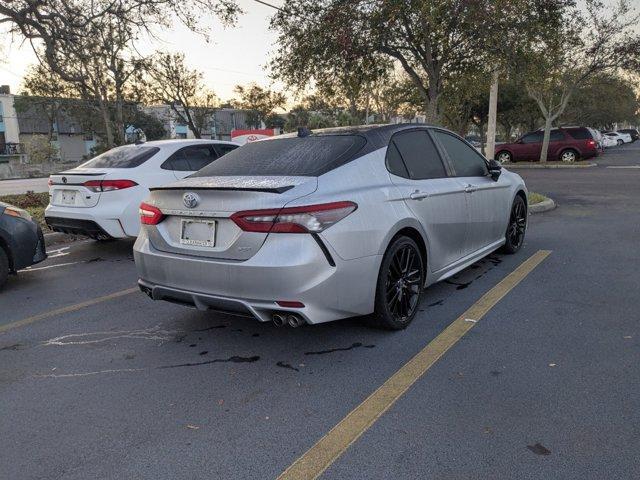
(418, 195)
(470, 188)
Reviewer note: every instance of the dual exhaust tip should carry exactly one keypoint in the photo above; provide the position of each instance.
(291, 319)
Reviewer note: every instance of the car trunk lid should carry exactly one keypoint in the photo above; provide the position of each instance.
(67, 188)
(200, 224)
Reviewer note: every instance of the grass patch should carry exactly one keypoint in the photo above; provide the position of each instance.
(536, 198)
(32, 202)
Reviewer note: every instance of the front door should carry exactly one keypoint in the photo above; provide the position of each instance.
(487, 199)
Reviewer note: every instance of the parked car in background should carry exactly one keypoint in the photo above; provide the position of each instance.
(597, 136)
(328, 225)
(100, 198)
(567, 145)
(610, 141)
(619, 137)
(21, 241)
(635, 135)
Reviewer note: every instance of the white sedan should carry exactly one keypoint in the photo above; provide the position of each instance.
(618, 137)
(100, 198)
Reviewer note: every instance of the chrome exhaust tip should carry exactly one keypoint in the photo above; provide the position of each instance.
(279, 320)
(294, 321)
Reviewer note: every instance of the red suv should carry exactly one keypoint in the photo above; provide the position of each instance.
(566, 144)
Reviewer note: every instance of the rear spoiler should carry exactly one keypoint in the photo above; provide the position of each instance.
(234, 189)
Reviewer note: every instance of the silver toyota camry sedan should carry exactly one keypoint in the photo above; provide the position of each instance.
(329, 224)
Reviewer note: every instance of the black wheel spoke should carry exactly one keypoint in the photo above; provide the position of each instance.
(404, 282)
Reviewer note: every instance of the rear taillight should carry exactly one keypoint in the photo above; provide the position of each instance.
(307, 219)
(591, 143)
(108, 185)
(150, 215)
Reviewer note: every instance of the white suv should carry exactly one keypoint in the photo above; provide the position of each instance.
(100, 198)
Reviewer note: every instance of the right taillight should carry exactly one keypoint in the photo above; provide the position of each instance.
(306, 219)
(150, 215)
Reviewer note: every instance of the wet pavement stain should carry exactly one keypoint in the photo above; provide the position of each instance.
(93, 260)
(193, 345)
(204, 352)
(233, 359)
(539, 449)
(15, 346)
(286, 365)
(459, 286)
(255, 335)
(436, 304)
(495, 373)
(340, 349)
(210, 328)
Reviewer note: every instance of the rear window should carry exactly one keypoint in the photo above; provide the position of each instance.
(306, 156)
(126, 156)
(580, 133)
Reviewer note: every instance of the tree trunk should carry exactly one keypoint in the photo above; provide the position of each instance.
(108, 130)
(493, 110)
(545, 141)
(431, 111)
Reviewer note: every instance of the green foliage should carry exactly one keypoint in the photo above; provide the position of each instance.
(260, 103)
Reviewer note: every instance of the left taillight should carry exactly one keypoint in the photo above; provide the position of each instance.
(306, 219)
(108, 185)
(150, 215)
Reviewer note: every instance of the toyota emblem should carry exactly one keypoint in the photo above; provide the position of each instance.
(190, 200)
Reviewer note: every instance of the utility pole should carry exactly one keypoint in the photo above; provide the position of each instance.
(493, 111)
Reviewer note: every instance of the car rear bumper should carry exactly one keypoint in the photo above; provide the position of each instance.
(288, 267)
(82, 222)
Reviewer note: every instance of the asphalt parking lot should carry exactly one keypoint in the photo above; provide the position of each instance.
(99, 382)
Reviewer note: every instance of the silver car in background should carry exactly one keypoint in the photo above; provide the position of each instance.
(328, 225)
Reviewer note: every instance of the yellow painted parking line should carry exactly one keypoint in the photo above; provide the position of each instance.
(330, 447)
(60, 311)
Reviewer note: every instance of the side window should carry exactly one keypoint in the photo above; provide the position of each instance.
(556, 136)
(535, 137)
(420, 155)
(394, 161)
(466, 161)
(223, 148)
(190, 159)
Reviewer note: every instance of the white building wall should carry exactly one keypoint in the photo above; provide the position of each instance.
(9, 119)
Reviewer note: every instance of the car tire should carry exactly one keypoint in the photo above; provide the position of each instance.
(517, 227)
(570, 154)
(400, 284)
(504, 157)
(4, 267)
(619, 142)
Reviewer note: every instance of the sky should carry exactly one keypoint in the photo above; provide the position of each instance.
(235, 55)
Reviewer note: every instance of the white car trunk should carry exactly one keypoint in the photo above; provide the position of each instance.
(67, 189)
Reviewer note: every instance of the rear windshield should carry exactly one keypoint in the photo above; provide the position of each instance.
(127, 156)
(306, 156)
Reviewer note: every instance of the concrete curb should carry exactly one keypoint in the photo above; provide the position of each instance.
(543, 206)
(513, 166)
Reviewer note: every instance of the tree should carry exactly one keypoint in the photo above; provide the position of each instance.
(602, 102)
(585, 40)
(260, 102)
(172, 82)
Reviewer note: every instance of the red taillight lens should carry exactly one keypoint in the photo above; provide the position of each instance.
(591, 143)
(150, 215)
(290, 304)
(307, 219)
(108, 185)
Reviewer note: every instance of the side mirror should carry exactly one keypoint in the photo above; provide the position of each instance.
(495, 169)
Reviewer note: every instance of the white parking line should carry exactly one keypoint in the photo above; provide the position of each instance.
(624, 166)
(33, 269)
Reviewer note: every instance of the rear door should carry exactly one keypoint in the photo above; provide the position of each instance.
(436, 199)
(488, 200)
(530, 147)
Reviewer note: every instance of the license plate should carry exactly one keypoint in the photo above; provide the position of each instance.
(199, 233)
(68, 197)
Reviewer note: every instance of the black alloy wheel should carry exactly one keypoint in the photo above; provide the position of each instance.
(400, 283)
(517, 226)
